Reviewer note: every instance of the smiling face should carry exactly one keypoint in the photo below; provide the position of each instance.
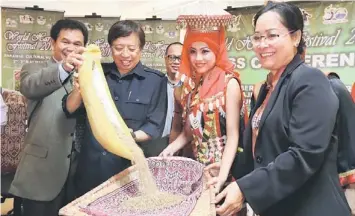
(273, 44)
(68, 40)
(126, 52)
(173, 59)
(202, 58)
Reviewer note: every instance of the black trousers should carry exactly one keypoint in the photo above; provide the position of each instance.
(51, 208)
(43, 208)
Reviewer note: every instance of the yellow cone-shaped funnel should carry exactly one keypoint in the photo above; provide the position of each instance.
(106, 123)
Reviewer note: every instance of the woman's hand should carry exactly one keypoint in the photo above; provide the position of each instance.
(219, 184)
(212, 172)
(168, 151)
(178, 144)
(233, 202)
(213, 177)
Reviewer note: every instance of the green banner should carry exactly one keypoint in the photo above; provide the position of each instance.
(329, 34)
(330, 38)
(25, 39)
(98, 30)
(158, 35)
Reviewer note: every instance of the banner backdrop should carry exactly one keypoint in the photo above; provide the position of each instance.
(98, 30)
(329, 34)
(158, 35)
(25, 39)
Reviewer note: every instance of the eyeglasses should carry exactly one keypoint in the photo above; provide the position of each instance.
(173, 58)
(269, 38)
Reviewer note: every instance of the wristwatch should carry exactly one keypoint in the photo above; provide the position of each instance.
(133, 135)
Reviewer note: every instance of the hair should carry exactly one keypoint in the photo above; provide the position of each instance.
(174, 43)
(125, 28)
(291, 18)
(65, 24)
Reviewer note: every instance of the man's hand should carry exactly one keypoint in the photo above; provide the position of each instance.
(132, 134)
(73, 60)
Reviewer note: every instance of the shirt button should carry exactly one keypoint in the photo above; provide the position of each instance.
(116, 98)
(120, 81)
(104, 153)
(259, 159)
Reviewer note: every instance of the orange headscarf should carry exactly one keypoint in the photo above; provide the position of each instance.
(353, 92)
(216, 42)
(216, 79)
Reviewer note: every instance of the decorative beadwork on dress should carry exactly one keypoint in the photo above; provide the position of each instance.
(206, 117)
(205, 23)
(222, 112)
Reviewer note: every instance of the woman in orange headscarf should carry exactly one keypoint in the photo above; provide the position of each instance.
(211, 95)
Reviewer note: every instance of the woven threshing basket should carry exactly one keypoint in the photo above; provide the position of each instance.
(177, 175)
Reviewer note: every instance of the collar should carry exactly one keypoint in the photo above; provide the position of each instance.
(332, 75)
(55, 60)
(296, 61)
(171, 82)
(138, 70)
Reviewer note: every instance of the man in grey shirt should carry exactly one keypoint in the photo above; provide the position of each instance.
(173, 122)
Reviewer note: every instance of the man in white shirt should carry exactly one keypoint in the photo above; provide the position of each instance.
(45, 170)
(173, 122)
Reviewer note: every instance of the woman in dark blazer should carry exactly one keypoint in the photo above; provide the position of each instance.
(290, 147)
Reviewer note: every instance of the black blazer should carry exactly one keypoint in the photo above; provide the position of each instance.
(345, 130)
(294, 171)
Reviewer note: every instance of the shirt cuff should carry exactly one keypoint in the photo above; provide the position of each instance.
(63, 75)
(151, 130)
